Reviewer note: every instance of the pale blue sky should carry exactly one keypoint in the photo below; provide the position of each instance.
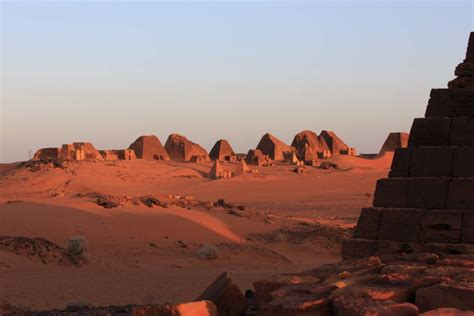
(108, 72)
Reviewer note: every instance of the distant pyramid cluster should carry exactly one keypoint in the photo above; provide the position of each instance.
(306, 148)
(427, 202)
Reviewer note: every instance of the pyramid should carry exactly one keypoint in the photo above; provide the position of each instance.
(395, 141)
(427, 202)
(222, 151)
(242, 168)
(217, 171)
(330, 141)
(182, 149)
(46, 153)
(275, 148)
(307, 145)
(256, 157)
(149, 147)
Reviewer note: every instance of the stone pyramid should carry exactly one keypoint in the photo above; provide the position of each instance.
(427, 202)
(330, 140)
(242, 168)
(182, 149)
(307, 145)
(217, 171)
(395, 141)
(149, 147)
(275, 148)
(222, 151)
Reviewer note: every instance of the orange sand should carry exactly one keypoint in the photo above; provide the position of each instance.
(125, 269)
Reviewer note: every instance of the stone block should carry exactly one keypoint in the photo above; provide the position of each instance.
(358, 248)
(398, 174)
(400, 224)
(465, 69)
(368, 224)
(431, 161)
(428, 193)
(430, 132)
(441, 295)
(462, 106)
(440, 236)
(401, 160)
(461, 194)
(463, 162)
(439, 103)
(442, 220)
(391, 192)
(462, 131)
(468, 227)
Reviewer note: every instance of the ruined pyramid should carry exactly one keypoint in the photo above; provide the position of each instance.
(427, 202)
(182, 149)
(242, 168)
(222, 151)
(149, 147)
(275, 148)
(307, 146)
(395, 141)
(217, 171)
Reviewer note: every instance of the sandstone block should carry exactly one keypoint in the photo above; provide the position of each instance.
(437, 296)
(428, 193)
(439, 103)
(440, 236)
(358, 248)
(431, 161)
(463, 159)
(468, 227)
(442, 220)
(400, 224)
(368, 224)
(462, 131)
(447, 312)
(391, 192)
(401, 161)
(430, 132)
(226, 295)
(461, 194)
(462, 106)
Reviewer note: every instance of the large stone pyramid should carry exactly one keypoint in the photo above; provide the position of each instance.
(222, 151)
(149, 147)
(427, 202)
(275, 148)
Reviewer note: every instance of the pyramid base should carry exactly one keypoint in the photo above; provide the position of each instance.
(362, 248)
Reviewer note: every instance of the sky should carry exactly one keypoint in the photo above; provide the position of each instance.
(110, 71)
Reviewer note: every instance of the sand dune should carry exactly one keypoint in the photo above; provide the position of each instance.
(140, 254)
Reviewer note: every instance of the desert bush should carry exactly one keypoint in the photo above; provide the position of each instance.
(77, 248)
(207, 252)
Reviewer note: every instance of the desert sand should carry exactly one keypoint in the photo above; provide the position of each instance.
(281, 221)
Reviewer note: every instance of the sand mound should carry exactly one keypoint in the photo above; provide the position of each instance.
(41, 250)
(182, 149)
(321, 236)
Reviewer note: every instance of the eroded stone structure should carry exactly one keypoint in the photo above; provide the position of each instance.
(427, 202)
(395, 141)
(217, 171)
(222, 151)
(275, 148)
(149, 147)
(182, 149)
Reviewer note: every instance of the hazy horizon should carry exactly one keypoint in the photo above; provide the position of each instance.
(109, 72)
